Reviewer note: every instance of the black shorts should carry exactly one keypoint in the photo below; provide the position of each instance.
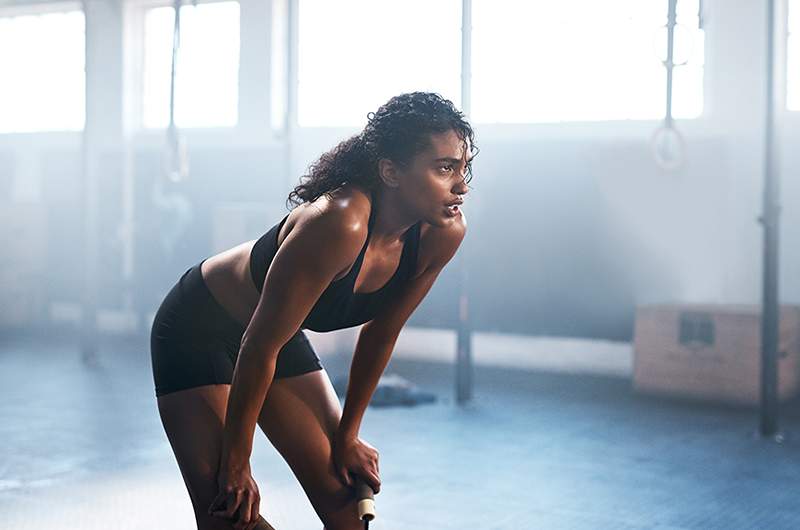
(194, 341)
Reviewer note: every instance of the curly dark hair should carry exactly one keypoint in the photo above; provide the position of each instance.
(398, 131)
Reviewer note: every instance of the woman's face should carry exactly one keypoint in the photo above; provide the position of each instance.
(435, 180)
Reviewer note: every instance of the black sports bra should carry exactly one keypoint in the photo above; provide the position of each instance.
(338, 306)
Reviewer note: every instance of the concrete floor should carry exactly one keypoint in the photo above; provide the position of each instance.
(81, 447)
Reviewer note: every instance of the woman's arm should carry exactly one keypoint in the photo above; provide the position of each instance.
(318, 248)
(374, 347)
(377, 337)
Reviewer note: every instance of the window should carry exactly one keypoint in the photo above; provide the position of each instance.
(42, 59)
(356, 54)
(582, 60)
(207, 76)
(793, 57)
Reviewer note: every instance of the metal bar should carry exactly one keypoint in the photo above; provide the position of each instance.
(671, 21)
(466, 57)
(176, 39)
(88, 341)
(464, 364)
(700, 15)
(292, 49)
(770, 311)
(292, 73)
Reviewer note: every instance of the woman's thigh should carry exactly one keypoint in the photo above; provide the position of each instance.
(300, 416)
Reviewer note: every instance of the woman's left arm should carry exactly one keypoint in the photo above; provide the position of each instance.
(374, 347)
(377, 337)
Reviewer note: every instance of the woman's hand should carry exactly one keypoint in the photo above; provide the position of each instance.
(237, 493)
(353, 455)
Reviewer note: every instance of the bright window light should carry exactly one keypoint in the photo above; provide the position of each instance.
(793, 57)
(207, 78)
(42, 63)
(581, 60)
(354, 55)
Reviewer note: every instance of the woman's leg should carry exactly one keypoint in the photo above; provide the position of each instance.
(193, 343)
(193, 420)
(300, 416)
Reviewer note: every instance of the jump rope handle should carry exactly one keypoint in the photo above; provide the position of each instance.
(366, 500)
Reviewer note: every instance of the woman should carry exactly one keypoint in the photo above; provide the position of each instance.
(377, 220)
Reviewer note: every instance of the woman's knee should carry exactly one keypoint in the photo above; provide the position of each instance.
(300, 416)
(336, 507)
(209, 522)
(349, 524)
(343, 521)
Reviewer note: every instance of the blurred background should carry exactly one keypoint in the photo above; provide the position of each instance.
(604, 351)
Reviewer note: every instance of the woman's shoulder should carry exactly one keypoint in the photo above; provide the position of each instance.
(347, 207)
(342, 214)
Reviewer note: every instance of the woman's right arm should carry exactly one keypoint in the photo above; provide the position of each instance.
(310, 257)
(315, 251)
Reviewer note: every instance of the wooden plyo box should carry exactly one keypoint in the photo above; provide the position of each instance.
(711, 352)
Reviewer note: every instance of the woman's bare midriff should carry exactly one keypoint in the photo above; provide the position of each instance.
(227, 276)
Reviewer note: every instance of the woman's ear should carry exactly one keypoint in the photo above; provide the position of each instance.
(388, 172)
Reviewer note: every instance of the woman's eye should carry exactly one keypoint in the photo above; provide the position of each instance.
(446, 167)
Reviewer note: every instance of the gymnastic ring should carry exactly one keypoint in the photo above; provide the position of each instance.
(667, 133)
